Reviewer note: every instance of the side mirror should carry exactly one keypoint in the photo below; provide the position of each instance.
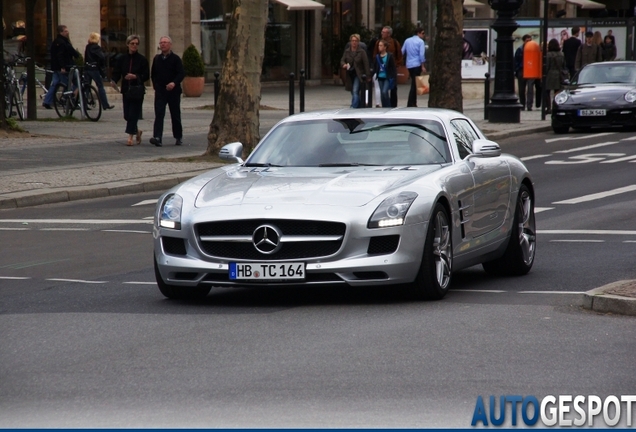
(486, 148)
(232, 152)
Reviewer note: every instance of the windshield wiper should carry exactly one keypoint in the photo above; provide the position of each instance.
(255, 165)
(341, 164)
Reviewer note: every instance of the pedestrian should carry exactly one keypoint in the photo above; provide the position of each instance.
(588, 52)
(387, 73)
(526, 86)
(570, 48)
(95, 67)
(555, 63)
(597, 39)
(393, 47)
(608, 49)
(132, 68)
(414, 50)
(166, 74)
(354, 60)
(62, 59)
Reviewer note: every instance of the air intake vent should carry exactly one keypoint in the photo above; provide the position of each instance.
(383, 245)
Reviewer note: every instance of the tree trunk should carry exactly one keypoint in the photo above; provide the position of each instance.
(236, 113)
(446, 75)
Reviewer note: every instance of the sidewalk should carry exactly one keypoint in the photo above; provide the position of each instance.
(59, 161)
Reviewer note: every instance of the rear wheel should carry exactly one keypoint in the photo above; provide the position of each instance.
(17, 104)
(179, 292)
(434, 277)
(59, 100)
(92, 105)
(519, 255)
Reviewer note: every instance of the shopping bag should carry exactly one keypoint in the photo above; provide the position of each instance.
(421, 84)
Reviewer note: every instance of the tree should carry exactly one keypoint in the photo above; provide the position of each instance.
(236, 115)
(446, 75)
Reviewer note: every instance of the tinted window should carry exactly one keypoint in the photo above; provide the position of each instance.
(464, 135)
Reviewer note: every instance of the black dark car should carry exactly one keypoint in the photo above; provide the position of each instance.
(600, 95)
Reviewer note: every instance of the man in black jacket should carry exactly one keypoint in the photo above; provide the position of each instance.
(570, 48)
(62, 55)
(166, 74)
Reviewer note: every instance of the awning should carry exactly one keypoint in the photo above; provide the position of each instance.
(473, 3)
(587, 4)
(299, 5)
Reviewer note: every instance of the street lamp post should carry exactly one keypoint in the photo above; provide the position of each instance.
(505, 106)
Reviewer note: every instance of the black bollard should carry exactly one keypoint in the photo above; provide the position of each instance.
(301, 90)
(216, 88)
(486, 95)
(291, 93)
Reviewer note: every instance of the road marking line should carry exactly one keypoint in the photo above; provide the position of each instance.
(623, 159)
(13, 277)
(140, 283)
(551, 292)
(578, 137)
(78, 221)
(64, 229)
(629, 241)
(599, 195)
(15, 229)
(18, 266)
(76, 280)
(145, 202)
(128, 231)
(629, 139)
(587, 147)
(591, 232)
(480, 291)
(542, 209)
(527, 158)
(577, 241)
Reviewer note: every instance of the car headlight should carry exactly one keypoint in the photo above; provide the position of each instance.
(630, 96)
(392, 211)
(170, 212)
(561, 98)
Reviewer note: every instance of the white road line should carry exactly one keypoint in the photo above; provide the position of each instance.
(542, 209)
(64, 229)
(551, 292)
(629, 241)
(599, 195)
(14, 277)
(145, 202)
(76, 280)
(78, 221)
(623, 159)
(577, 241)
(527, 158)
(590, 232)
(549, 140)
(480, 291)
(140, 283)
(128, 231)
(632, 138)
(587, 147)
(15, 229)
(149, 217)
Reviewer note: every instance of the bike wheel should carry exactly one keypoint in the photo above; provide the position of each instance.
(59, 100)
(92, 104)
(17, 103)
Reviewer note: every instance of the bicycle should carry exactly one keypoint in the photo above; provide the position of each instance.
(82, 97)
(12, 96)
(24, 77)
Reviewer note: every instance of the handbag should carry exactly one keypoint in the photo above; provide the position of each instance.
(135, 91)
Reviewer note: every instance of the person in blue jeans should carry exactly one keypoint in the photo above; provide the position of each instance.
(62, 57)
(356, 64)
(95, 67)
(386, 73)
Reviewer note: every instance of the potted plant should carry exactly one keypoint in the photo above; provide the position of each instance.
(194, 72)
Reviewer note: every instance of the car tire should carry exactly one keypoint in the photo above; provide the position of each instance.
(560, 130)
(520, 252)
(434, 276)
(179, 292)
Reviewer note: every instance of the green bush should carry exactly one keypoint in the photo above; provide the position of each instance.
(193, 62)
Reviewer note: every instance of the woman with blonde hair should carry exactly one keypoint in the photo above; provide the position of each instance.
(95, 67)
(597, 39)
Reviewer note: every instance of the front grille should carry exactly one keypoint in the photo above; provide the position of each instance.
(383, 245)
(173, 246)
(245, 250)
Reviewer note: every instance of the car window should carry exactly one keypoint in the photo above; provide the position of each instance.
(607, 73)
(351, 141)
(464, 135)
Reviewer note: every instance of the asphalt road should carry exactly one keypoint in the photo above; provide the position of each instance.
(88, 340)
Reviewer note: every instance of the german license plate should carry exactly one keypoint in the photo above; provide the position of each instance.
(591, 112)
(267, 271)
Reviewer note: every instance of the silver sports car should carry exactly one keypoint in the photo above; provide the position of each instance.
(355, 197)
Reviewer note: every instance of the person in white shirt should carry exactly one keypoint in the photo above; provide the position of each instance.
(414, 51)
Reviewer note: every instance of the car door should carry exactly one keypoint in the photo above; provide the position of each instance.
(491, 176)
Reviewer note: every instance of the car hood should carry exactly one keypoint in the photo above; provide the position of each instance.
(308, 186)
(599, 92)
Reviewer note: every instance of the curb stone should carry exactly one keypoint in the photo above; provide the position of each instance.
(599, 300)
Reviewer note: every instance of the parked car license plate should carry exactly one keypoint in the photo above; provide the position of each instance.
(591, 112)
(267, 271)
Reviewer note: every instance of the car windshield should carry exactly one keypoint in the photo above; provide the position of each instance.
(608, 73)
(353, 142)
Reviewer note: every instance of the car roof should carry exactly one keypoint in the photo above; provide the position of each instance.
(437, 114)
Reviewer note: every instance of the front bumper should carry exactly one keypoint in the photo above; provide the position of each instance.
(567, 115)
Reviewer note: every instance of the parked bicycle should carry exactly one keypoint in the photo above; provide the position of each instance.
(81, 97)
(22, 61)
(14, 104)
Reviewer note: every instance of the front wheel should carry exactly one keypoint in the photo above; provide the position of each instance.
(434, 277)
(60, 100)
(92, 105)
(17, 103)
(177, 292)
(519, 255)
